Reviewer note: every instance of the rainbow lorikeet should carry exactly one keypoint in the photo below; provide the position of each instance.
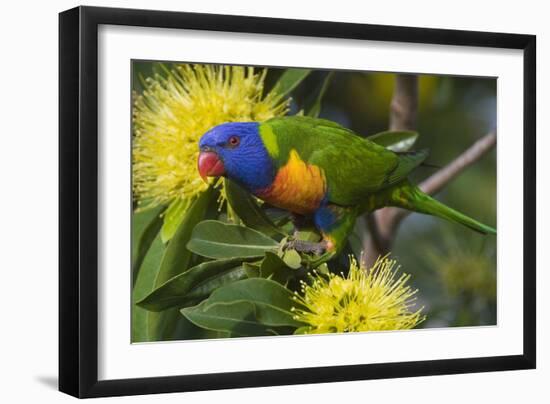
(319, 169)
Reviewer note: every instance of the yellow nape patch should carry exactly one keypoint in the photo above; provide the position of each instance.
(270, 140)
(298, 187)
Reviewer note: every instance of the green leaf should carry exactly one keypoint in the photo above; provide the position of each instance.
(237, 318)
(252, 270)
(206, 288)
(273, 267)
(175, 260)
(196, 283)
(308, 235)
(214, 239)
(278, 216)
(145, 226)
(254, 306)
(186, 330)
(248, 210)
(292, 259)
(315, 109)
(272, 300)
(323, 269)
(289, 80)
(172, 218)
(312, 262)
(397, 141)
(143, 286)
(302, 330)
(176, 257)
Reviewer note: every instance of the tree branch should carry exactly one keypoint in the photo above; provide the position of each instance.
(404, 103)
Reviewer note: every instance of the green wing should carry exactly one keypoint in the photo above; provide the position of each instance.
(354, 167)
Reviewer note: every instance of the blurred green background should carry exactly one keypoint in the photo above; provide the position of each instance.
(453, 268)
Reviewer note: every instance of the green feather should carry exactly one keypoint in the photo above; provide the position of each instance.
(408, 196)
(361, 175)
(408, 161)
(354, 167)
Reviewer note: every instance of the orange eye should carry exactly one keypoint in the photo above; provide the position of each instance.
(233, 141)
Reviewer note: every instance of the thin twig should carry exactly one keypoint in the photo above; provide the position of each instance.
(437, 181)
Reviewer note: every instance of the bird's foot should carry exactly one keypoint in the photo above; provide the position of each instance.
(307, 246)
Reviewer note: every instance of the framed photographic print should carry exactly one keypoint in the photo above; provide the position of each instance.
(250, 201)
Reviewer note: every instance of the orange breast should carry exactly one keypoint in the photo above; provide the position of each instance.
(298, 187)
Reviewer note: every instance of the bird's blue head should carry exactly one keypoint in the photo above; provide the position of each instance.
(236, 150)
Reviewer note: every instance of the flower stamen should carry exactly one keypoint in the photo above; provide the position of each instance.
(366, 300)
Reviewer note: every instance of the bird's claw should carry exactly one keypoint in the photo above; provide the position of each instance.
(307, 246)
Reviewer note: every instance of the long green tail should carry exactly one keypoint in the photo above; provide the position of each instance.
(410, 197)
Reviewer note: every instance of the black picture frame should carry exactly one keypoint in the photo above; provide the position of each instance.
(78, 206)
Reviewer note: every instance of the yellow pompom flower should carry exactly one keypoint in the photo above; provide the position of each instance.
(176, 109)
(372, 299)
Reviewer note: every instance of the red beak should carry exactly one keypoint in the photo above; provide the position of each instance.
(210, 165)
